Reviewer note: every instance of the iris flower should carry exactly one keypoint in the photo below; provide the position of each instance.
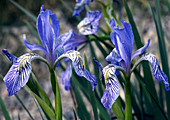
(53, 48)
(121, 58)
(80, 4)
(89, 25)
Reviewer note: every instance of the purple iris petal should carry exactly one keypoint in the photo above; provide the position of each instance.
(19, 73)
(80, 4)
(66, 76)
(71, 40)
(33, 46)
(78, 65)
(49, 35)
(89, 25)
(123, 39)
(156, 70)
(112, 89)
(10, 56)
(140, 51)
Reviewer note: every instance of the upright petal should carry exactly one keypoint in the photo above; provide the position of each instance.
(78, 65)
(123, 39)
(112, 89)
(156, 70)
(89, 25)
(10, 56)
(66, 76)
(19, 73)
(140, 51)
(48, 33)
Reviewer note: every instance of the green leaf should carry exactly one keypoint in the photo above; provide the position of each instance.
(41, 93)
(92, 97)
(4, 110)
(162, 48)
(117, 109)
(50, 113)
(24, 10)
(58, 105)
(156, 107)
(75, 116)
(81, 108)
(24, 106)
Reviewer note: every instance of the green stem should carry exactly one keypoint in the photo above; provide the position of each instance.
(117, 109)
(128, 103)
(55, 88)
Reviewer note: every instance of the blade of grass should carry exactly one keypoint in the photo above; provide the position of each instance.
(24, 106)
(92, 97)
(24, 10)
(81, 108)
(38, 108)
(162, 48)
(4, 110)
(159, 113)
(41, 92)
(48, 111)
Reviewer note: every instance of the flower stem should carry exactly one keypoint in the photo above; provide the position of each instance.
(128, 103)
(56, 91)
(117, 109)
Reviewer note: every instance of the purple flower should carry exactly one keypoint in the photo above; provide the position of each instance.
(90, 24)
(49, 35)
(80, 4)
(71, 40)
(53, 47)
(121, 58)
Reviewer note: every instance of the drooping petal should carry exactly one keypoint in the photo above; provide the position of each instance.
(10, 56)
(78, 65)
(140, 51)
(112, 89)
(156, 70)
(33, 46)
(89, 25)
(71, 40)
(66, 76)
(123, 39)
(19, 73)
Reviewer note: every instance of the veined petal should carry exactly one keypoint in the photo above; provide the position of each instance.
(10, 56)
(123, 39)
(79, 7)
(156, 70)
(78, 65)
(19, 73)
(33, 46)
(140, 51)
(89, 25)
(66, 76)
(71, 40)
(112, 89)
